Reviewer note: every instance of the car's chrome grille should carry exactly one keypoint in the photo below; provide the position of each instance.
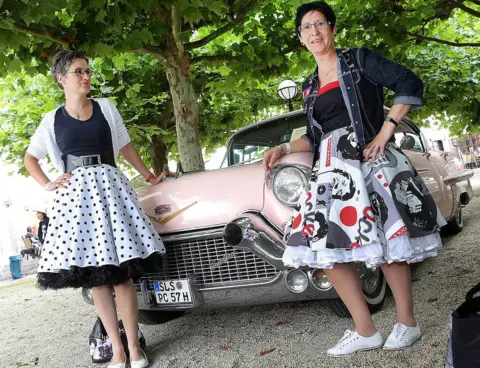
(212, 262)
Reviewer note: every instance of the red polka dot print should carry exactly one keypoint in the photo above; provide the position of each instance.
(348, 216)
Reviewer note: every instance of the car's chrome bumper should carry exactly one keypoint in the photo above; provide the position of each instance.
(231, 296)
(250, 232)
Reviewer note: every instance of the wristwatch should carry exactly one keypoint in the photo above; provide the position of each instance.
(389, 119)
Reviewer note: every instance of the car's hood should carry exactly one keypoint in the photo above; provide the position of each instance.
(206, 198)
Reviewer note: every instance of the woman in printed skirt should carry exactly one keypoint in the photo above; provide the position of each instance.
(365, 201)
(98, 233)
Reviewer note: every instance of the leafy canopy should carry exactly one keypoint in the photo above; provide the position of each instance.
(237, 52)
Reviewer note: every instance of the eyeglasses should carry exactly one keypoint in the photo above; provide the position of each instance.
(81, 72)
(318, 24)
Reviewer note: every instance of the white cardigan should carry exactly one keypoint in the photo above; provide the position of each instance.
(43, 141)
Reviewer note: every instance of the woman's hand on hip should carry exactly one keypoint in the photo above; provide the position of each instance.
(61, 182)
(377, 146)
(271, 156)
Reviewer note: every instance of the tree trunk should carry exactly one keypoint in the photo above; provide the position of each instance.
(159, 154)
(185, 108)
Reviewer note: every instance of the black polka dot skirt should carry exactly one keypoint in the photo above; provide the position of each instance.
(98, 232)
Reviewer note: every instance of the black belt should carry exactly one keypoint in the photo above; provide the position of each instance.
(72, 162)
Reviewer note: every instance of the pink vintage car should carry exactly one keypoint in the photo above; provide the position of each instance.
(223, 228)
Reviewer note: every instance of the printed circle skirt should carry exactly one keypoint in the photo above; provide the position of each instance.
(354, 211)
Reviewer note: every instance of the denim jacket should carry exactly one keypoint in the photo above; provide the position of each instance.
(362, 75)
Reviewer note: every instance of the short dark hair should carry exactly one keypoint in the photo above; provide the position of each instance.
(29, 229)
(62, 61)
(320, 6)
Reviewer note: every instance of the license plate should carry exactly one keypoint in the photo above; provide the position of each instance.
(172, 292)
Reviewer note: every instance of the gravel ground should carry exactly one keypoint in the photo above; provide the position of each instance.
(50, 329)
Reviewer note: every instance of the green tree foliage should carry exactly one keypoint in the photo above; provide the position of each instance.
(179, 34)
(212, 66)
(134, 82)
(438, 39)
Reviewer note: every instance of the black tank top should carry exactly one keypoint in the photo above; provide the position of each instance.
(330, 110)
(82, 137)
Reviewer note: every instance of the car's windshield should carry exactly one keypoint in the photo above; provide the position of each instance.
(251, 143)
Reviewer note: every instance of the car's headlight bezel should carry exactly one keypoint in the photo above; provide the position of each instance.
(304, 172)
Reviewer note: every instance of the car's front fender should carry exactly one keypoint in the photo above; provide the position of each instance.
(204, 199)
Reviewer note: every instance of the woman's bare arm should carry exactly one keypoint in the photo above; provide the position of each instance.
(131, 155)
(34, 169)
(271, 156)
(299, 145)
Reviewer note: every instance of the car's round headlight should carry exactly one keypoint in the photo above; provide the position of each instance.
(320, 280)
(288, 185)
(296, 281)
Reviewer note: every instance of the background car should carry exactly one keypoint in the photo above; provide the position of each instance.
(222, 229)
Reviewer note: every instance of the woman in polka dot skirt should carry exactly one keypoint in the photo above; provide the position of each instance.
(98, 233)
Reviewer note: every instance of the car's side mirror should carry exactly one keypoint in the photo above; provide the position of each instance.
(250, 150)
(407, 142)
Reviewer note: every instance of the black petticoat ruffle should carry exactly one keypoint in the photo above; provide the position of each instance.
(76, 277)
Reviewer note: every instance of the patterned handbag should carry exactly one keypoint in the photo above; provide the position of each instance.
(101, 346)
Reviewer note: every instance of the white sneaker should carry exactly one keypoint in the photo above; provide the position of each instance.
(351, 342)
(402, 337)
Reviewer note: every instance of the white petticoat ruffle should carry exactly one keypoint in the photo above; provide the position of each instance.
(400, 249)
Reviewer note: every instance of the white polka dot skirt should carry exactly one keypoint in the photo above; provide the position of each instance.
(98, 232)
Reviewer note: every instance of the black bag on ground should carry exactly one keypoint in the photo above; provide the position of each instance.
(465, 337)
(101, 346)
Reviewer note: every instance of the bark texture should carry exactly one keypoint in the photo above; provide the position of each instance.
(186, 111)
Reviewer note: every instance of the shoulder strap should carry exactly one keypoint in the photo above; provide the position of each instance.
(471, 293)
(350, 58)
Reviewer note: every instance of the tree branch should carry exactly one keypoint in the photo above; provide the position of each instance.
(150, 51)
(240, 16)
(177, 29)
(432, 39)
(189, 26)
(466, 9)
(214, 58)
(167, 114)
(233, 58)
(33, 31)
(161, 13)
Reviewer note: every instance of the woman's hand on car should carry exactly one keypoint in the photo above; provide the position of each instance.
(61, 182)
(159, 178)
(271, 156)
